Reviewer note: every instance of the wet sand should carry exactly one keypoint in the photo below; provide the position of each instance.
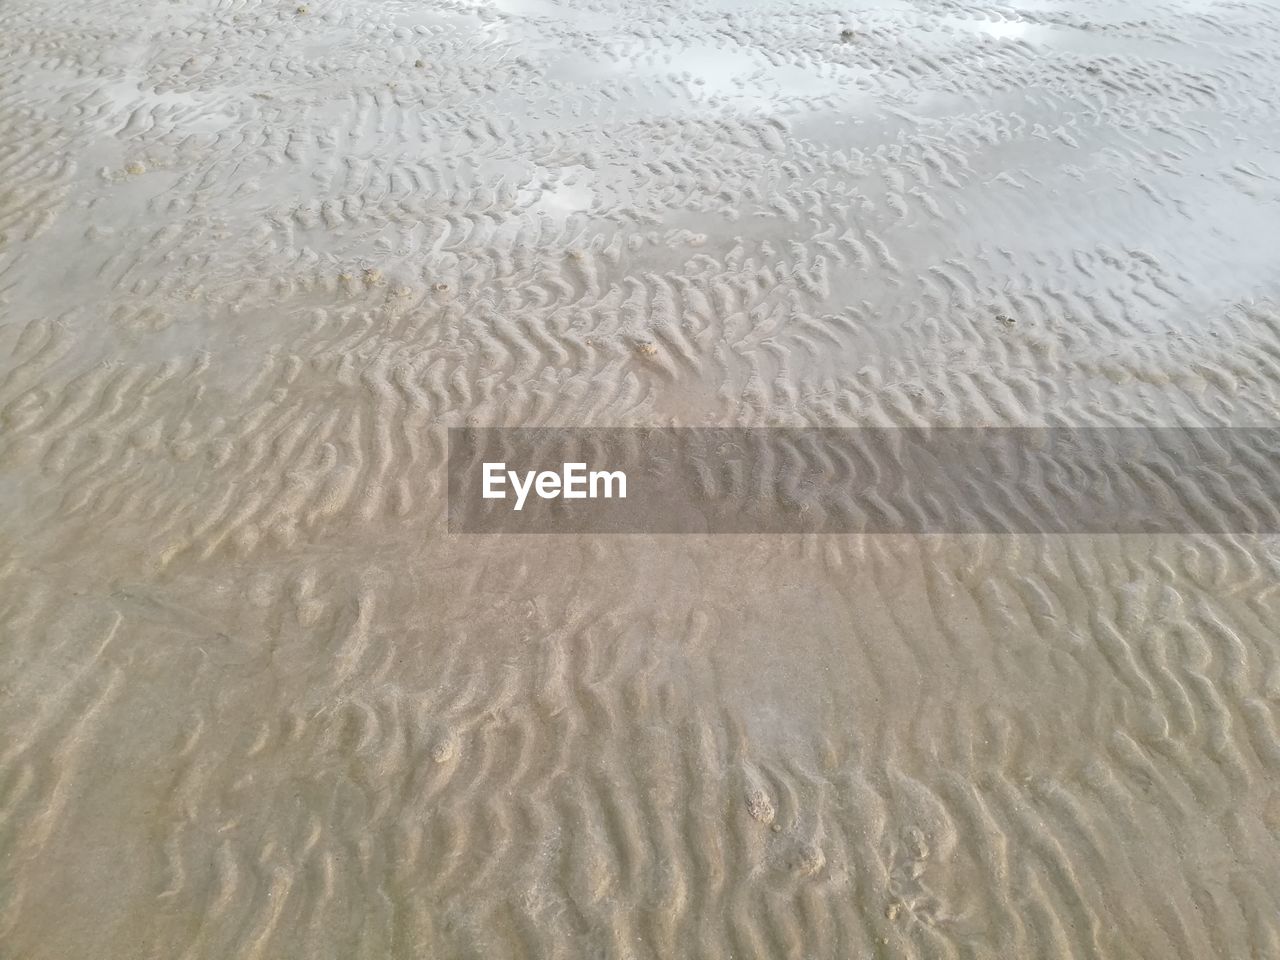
(258, 702)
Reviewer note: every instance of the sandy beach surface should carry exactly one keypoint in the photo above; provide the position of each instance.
(256, 700)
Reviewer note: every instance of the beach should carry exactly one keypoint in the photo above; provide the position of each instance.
(260, 699)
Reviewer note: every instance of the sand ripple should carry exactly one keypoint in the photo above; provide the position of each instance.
(257, 702)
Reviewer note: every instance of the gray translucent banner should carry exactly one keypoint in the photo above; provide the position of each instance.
(962, 480)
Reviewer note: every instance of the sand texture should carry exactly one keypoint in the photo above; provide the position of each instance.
(256, 702)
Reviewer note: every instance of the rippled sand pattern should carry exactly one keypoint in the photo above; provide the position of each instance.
(255, 258)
